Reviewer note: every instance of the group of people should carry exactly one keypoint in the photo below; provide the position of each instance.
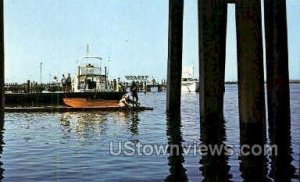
(66, 83)
(126, 101)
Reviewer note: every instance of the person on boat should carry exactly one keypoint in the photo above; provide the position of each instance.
(63, 83)
(69, 83)
(134, 90)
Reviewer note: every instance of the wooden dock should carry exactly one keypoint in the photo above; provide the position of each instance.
(73, 109)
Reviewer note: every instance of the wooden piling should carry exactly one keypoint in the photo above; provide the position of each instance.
(278, 88)
(277, 63)
(212, 48)
(250, 62)
(2, 62)
(175, 55)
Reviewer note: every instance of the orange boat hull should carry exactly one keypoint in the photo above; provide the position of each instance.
(82, 102)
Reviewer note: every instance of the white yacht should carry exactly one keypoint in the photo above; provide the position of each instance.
(90, 76)
(188, 82)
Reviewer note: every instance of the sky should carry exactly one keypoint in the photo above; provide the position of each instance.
(132, 34)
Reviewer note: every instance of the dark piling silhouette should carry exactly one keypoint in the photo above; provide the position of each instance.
(174, 56)
(212, 23)
(250, 61)
(278, 88)
(1, 61)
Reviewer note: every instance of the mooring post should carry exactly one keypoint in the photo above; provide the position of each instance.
(175, 55)
(2, 62)
(212, 23)
(250, 61)
(278, 87)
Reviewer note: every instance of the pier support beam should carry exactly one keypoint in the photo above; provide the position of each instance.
(277, 63)
(175, 56)
(212, 16)
(1, 62)
(278, 87)
(251, 87)
(250, 62)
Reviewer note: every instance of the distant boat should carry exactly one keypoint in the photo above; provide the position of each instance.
(188, 82)
(82, 102)
(189, 85)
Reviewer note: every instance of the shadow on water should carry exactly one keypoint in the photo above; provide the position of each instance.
(214, 165)
(280, 135)
(175, 150)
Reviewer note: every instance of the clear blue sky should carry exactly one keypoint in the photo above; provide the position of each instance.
(133, 33)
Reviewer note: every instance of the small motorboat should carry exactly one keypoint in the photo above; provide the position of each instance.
(83, 102)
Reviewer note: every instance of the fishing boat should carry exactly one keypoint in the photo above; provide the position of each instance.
(188, 82)
(92, 75)
(189, 85)
(82, 102)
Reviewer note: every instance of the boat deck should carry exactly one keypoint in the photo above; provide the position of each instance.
(73, 109)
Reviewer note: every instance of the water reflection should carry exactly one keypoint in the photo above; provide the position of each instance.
(280, 135)
(88, 125)
(91, 123)
(1, 144)
(214, 167)
(175, 150)
(253, 164)
(134, 129)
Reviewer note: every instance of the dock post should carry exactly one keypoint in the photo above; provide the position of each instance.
(250, 62)
(212, 23)
(114, 84)
(277, 63)
(251, 87)
(28, 86)
(278, 87)
(175, 55)
(2, 62)
(105, 78)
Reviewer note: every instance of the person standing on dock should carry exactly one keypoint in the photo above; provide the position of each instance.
(133, 90)
(63, 83)
(69, 83)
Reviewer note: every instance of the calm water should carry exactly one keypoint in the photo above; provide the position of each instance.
(75, 146)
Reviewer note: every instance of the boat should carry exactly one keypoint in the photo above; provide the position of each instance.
(189, 85)
(92, 75)
(188, 82)
(82, 102)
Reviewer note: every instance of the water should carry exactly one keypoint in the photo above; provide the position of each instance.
(75, 146)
